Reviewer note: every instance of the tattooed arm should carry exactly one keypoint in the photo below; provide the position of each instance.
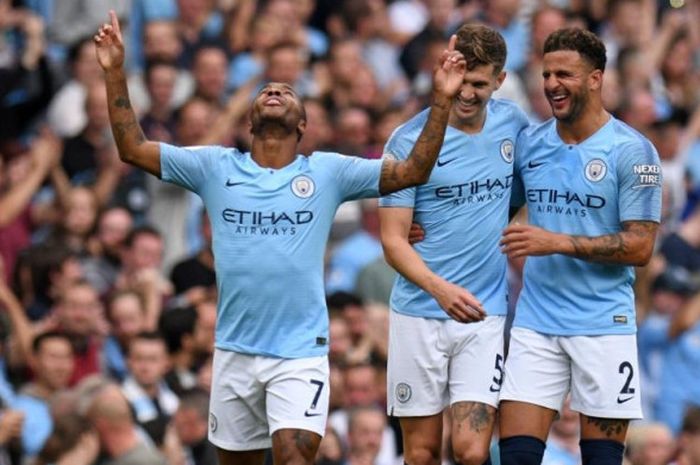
(631, 246)
(448, 76)
(128, 135)
(416, 168)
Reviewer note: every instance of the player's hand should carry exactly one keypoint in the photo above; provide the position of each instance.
(459, 303)
(522, 240)
(416, 233)
(47, 151)
(448, 74)
(109, 43)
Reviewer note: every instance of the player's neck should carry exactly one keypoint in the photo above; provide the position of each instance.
(273, 152)
(472, 125)
(584, 126)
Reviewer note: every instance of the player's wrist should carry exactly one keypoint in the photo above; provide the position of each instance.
(441, 100)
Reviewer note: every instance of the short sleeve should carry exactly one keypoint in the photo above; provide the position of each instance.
(399, 147)
(187, 167)
(357, 177)
(640, 182)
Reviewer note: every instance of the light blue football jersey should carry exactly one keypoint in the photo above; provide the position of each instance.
(587, 189)
(270, 229)
(463, 209)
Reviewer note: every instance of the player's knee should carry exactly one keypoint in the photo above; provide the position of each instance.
(422, 456)
(471, 454)
(601, 452)
(521, 450)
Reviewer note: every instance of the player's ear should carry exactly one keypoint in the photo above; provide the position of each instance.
(499, 79)
(301, 129)
(595, 80)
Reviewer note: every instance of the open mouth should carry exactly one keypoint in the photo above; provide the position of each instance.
(558, 101)
(467, 105)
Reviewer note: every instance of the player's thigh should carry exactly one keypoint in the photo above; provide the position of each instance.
(422, 439)
(417, 368)
(476, 361)
(297, 393)
(605, 386)
(605, 376)
(294, 446)
(537, 380)
(472, 429)
(249, 457)
(237, 414)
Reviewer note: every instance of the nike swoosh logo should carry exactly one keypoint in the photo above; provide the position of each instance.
(622, 401)
(532, 164)
(443, 163)
(231, 184)
(307, 414)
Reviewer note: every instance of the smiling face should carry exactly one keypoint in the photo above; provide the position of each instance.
(469, 108)
(568, 83)
(277, 108)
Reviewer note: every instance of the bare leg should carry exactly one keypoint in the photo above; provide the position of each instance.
(603, 428)
(472, 427)
(248, 457)
(523, 419)
(294, 447)
(422, 439)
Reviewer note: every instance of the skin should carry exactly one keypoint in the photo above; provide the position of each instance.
(573, 89)
(277, 123)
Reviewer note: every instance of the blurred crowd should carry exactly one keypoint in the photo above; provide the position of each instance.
(106, 274)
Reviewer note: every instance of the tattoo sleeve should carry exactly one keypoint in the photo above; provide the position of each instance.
(631, 246)
(416, 168)
(128, 135)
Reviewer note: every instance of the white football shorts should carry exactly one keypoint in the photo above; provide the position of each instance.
(602, 373)
(435, 363)
(253, 396)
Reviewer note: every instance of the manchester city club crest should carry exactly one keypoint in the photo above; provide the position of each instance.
(403, 392)
(596, 170)
(303, 187)
(213, 423)
(507, 149)
(389, 156)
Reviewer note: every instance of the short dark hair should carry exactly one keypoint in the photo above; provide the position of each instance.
(587, 44)
(691, 420)
(39, 340)
(481, 45)
(176, 323)
(146, 336)
(145, 230)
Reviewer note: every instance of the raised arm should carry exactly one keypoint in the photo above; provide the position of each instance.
(132, 144)
(456, 301)
(631, 246)
(448, 76)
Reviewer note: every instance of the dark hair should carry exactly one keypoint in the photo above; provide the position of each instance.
(39, 340)
(155, 63)
(691, 420)
(146, 336)
(197, 400)
(587, 44)
(481, 45)
(176, 323)
(341, 299)
(141, 230)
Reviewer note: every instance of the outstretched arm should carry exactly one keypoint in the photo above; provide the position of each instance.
(132, 144)
(447, 81)
(631, 246)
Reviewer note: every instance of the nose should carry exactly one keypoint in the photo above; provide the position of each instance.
(272, 91)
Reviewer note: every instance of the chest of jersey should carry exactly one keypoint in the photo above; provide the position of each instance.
(570, 186)
(472, 170)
